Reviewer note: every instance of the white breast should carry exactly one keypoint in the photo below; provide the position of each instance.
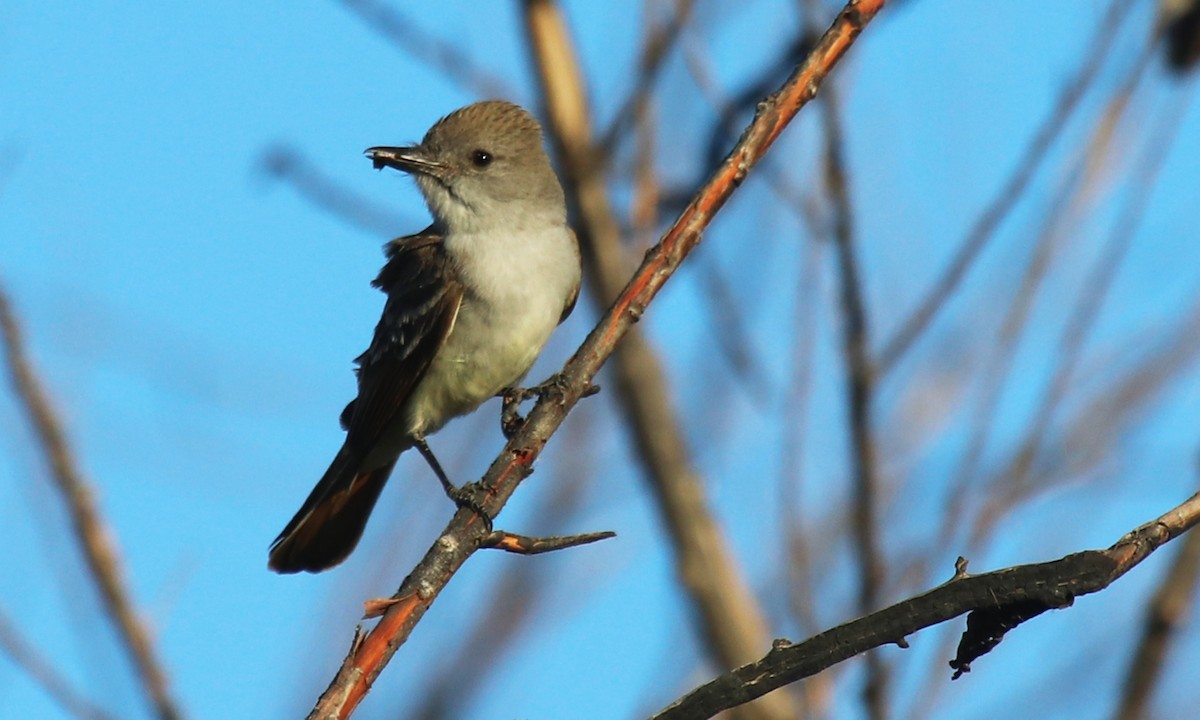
(516, 288)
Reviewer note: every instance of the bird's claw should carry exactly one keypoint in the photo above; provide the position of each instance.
(511, 398)
(463, 497)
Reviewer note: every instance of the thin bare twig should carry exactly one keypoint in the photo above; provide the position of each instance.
(290, 166)
(1100, 279)
(526, 545)
(461, 537)
(860, 385)
(654, 51)
(1077, 184)
(437, 53)
(798, 573)
(1006, 199)
(95, 539)
(1024, 590)
(1018, 482)
(26, 657)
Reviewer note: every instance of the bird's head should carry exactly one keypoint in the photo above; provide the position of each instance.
(479, 165)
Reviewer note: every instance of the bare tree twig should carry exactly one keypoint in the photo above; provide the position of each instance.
(461, 537)
(1053, 584)
(860, 385)
(440, 55)
(1019, 480)
(526, 545)
(798, 576)
(654, 52)
(26, 657)
(997, 365)
(290, 166)
(1100, 279)
(96, 541)
(989, 221)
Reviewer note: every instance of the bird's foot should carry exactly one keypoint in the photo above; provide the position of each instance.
(511, 398)
(464, 497)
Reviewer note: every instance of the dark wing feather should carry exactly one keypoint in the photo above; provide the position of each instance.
(424, 295)
(570, 304)
(423, 300)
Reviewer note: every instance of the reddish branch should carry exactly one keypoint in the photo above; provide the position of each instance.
(465, 531)
(1012, 594)
(96, 541)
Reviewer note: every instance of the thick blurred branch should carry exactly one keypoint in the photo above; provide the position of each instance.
(732, 625)
(95, 539)
(369, 654)
(1027, 589)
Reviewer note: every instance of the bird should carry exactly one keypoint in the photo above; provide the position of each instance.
(471, 301)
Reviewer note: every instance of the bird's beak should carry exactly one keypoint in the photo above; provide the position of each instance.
(406, 159)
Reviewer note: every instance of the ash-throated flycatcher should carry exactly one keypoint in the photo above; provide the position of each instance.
(471, 301)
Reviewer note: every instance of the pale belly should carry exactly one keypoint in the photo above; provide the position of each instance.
(483, 355)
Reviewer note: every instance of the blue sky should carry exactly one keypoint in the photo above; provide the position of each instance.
(195, 320)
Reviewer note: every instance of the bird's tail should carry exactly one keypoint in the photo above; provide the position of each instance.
(332, 519)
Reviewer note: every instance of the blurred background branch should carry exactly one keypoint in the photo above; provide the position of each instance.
(727, 614)
(91, 533)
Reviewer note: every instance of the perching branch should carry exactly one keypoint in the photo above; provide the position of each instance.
(370, 655)
(997, 601)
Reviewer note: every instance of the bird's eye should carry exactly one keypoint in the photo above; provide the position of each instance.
(481, 158)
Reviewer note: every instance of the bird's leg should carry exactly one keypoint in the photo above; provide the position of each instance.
(511, 399)
(460, 496)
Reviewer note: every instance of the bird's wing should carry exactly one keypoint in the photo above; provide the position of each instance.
(424, 295)
(569, 305)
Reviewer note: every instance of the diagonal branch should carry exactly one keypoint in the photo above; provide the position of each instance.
(729, 620)
(1028, 589)
(96, 541)
(370, 654)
